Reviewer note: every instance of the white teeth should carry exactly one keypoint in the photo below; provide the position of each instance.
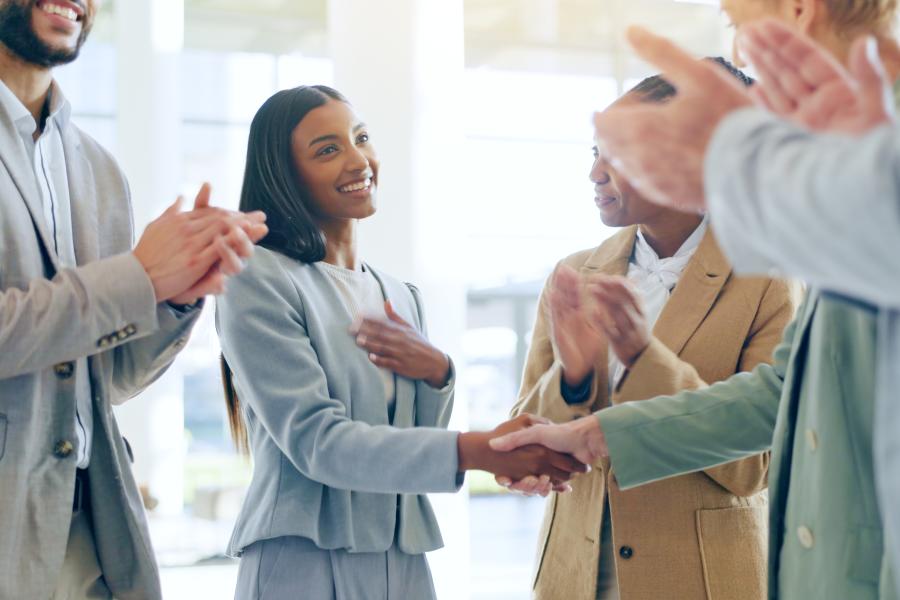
(55, 9)
(356, 187)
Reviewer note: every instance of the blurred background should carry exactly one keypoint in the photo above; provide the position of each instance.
(480, 111)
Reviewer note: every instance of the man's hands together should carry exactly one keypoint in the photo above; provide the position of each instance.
(188, 255)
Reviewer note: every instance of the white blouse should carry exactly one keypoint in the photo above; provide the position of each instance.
(363, 297)
(655, 278)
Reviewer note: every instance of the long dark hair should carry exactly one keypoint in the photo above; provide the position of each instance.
(273, 185)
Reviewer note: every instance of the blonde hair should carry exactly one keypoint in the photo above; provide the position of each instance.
(857, 16)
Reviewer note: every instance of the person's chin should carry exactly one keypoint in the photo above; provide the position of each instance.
(614, 219)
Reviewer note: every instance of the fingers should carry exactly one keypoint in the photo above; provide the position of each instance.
(618, 290)
(203, 196)
(175, 207)
(229, 261)
(682, 70)
(529, 485)
(212, 283)
(256, 231)
(867, 69)
(568, 463)
(679, 67)
(379, 337)
(391, 364)
(799, 54)
(517, 439)
(781, 87)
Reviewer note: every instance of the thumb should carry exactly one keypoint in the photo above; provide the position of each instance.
(681, 69)
(203, 196)
(516, 439)
(868, 71)
(392, 314)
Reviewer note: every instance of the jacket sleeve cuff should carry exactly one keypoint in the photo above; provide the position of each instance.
(576, 394)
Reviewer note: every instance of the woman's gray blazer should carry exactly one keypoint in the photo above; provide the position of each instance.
(329, 463)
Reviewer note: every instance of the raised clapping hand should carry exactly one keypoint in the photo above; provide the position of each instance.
(661, 148)
(619, 312)
(188, 255)
(802, 82)
(396, 345)
(577, 342)
(477, 451)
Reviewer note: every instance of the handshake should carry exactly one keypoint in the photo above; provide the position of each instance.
(530, 455)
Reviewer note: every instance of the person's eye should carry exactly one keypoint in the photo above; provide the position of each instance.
(363, 138)
(329, 149)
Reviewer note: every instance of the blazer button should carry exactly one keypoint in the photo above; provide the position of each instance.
(130, 329)
(626, 552)
(64, 370)
(805, 536)
(812, 439)
(103, 342)
(63, 449)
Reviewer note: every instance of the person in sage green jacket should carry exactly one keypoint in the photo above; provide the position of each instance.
(814, 407)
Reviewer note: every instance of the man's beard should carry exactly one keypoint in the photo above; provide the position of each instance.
(17, 34)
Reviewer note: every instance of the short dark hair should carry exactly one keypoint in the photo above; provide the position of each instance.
(271, 181)
(656, 89)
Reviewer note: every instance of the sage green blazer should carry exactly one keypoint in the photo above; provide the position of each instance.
(813, 407)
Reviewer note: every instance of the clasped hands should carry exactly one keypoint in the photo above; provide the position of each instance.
(188, 255)
(586, 313)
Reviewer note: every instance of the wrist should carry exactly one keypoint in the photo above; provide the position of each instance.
(574, 377)
(635, 356)
(589, 430)
(153, 283)
(441, 372)
(469, 447)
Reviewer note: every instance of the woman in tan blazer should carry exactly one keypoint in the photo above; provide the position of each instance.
(669, 315)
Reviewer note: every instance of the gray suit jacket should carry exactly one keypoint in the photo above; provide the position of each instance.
(329, 462)
(825, 209)
(104, 309)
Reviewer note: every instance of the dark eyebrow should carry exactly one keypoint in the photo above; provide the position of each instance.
(323, 138)
(332, 137)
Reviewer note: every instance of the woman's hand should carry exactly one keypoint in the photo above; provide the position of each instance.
(618, 311)
(396, 345)
(475, 452)
(577, 343)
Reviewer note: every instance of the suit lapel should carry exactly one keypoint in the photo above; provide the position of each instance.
(404, 389)
(18, 165)
(82, 200)
(693, 296)
(611, 258)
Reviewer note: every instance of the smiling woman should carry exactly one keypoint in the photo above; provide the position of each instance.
(331, 381)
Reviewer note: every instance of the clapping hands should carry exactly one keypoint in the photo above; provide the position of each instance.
(188, 255)
(800, 81)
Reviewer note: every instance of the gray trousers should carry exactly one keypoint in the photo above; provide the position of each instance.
(81, 578)
(289, 568)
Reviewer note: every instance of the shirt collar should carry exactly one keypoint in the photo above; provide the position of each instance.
(60, 109)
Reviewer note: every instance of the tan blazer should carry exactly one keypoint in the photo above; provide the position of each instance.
(702, 535)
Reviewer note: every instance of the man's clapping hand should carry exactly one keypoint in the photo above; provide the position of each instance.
(188, 255)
